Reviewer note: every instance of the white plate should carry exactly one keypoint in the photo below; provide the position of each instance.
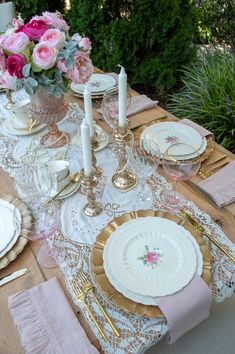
(168, 133)
(102, 137)
(98, 83)
(10, 221)
(20, 132)
(148, 300)
(151, 257)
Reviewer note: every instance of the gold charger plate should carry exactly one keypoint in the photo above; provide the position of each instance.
(210, 141)
(25, 226)
(99, 272)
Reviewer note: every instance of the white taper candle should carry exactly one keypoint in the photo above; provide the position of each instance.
(122, 90)
(88, 109)
(86, 147)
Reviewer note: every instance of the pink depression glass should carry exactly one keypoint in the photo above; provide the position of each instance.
(49, 109)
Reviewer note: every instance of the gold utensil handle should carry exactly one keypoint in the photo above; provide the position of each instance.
(95, 321)
(219, 246)
(60, 191)
(114, 328)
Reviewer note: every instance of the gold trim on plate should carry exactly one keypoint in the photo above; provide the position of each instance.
(98, 269)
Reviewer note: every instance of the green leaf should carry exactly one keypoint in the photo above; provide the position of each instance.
(26, 69)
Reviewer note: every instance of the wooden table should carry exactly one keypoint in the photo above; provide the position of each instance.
(9, 338)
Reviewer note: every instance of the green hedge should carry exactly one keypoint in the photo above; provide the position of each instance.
(151, 39)
(29, 8)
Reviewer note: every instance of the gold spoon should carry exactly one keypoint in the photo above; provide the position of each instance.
(73, 179)
(202, 230)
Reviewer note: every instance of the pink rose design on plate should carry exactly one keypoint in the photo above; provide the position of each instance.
(151, 258)
(172, 139)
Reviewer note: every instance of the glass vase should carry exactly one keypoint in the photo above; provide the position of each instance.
(49, 109)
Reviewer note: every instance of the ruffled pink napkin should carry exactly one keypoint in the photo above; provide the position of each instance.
(186, 308)
(46, 322)
(202, 131)
(221, 185)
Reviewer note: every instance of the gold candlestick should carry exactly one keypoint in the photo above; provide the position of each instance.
(92, 208)
(123, 179)
(94, 145)
(10, 103)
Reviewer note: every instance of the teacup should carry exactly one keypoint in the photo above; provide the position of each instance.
(21, 112)
(60, 168)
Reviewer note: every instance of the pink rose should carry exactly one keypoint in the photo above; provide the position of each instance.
(34, 29)
(152, 257)
(85, 44)
(2, 39)
(17, 22)
(82, 69)
(76, 37)
(62, 65)
(44, 56)
(55, 19)
(54, 38)
(16, 42)
(15, 64)
(2, 60)
(6, 80)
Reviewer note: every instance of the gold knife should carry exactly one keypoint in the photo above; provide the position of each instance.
(12, 276)
(202, 230)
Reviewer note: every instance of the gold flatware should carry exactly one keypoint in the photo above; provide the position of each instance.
(31, 123)
(73, 179)
(202, 230)
(88, 287)
(80, 295)
(207, 170)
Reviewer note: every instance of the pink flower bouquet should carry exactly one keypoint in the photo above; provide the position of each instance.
(41, 53)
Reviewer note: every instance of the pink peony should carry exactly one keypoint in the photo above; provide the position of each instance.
(17, 22)
(44, 56)
(82, 69)
(2, 39)
(6, 80)
(85, 44)
(152, 257)
(34, 29)
(62, 65)
(16, 42)
(54, 38)
(55, 20)
(15, 64)
(2, 60)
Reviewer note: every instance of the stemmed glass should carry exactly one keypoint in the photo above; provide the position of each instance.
(181, 162)
(144, 158)
(35, 185)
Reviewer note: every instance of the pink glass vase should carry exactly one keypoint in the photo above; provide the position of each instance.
(49, 109)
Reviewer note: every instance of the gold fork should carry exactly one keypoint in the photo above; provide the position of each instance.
(88, 287)
(205, 172)
(80, 295)
(31, 123)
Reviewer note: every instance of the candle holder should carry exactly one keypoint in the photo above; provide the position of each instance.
(10, 103)
(123, 179)
(92, 208)
(97, 171)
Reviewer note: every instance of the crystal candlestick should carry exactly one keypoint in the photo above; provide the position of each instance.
(92, 208)
(94, 145)
(123, 179)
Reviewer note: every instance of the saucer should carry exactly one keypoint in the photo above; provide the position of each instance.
(70, 190)
(21, 132)
(102, 137)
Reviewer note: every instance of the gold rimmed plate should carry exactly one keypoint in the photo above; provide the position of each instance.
(98, 268)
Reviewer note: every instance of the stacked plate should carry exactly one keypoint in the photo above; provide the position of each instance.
(98, 84)
(168, 133)
(14, 126)
(151, 257)
(10, 226)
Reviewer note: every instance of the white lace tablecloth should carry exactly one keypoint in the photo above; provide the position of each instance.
(137, 333)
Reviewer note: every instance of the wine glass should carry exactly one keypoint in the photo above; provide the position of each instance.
(144, 158)
(181, 162)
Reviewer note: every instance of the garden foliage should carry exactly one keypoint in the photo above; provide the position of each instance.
(208, 96)
(29, 8)
(151, 39)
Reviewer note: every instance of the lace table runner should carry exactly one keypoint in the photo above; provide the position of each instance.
(137, 333)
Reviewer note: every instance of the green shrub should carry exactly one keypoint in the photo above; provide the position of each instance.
(217, 21)
(208, 95)
(29, 8)
(151, 39)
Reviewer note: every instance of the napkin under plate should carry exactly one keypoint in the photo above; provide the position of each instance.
(46, 322)
(202, 131)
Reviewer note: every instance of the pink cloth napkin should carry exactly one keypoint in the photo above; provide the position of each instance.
(202, 131)
(46, 322)
(221, 186)
(186, 308)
